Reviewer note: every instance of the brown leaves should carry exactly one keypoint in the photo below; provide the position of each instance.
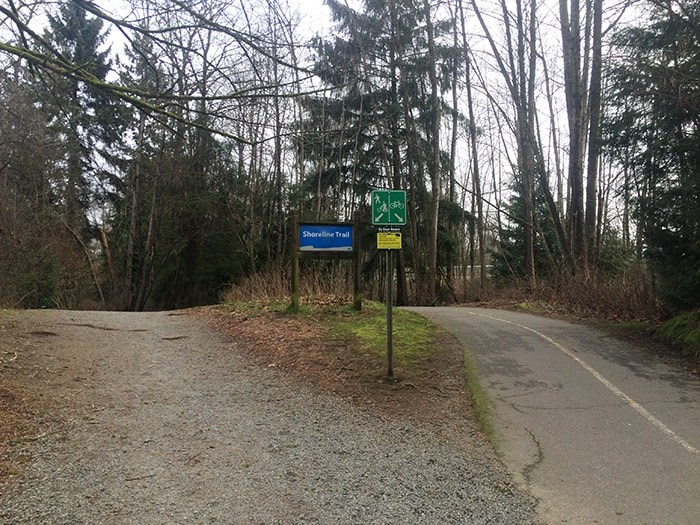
(302, 347)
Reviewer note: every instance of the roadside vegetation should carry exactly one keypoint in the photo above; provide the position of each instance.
(624, 303)
(428, 362)
(328, 344)
(683, 331)
(359, 335)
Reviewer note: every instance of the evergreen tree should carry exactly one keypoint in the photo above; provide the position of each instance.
(654, 129)
(31, 243)
(379, 125)
(87, 121)
(508, 259)
(58, 168)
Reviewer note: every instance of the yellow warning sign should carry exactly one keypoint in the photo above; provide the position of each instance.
(388, 240)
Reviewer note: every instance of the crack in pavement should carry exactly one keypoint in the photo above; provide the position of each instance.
(539, 457)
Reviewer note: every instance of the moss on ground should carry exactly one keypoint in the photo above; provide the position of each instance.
(413, 335)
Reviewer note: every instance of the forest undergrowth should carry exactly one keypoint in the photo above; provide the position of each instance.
(625, 304)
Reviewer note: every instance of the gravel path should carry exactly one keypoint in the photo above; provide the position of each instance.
(167, 424)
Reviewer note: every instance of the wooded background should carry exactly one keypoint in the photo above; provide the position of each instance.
(152, 151)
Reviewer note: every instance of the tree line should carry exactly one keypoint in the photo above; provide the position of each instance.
(151, 157)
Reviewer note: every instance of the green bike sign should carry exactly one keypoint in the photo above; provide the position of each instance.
(388, 207)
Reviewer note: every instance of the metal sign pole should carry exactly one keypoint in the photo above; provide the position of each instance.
(296, 280)
(389, 320)
(389, 212)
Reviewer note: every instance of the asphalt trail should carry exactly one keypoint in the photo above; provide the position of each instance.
(598, 430)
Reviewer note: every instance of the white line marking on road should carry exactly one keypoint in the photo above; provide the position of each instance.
(615, 390)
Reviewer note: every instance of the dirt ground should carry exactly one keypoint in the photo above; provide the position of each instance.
(37, 389)
(432, 390)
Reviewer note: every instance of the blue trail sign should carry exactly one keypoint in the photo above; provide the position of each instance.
(325, 237)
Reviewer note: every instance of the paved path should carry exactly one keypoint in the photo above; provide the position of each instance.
(600, 432)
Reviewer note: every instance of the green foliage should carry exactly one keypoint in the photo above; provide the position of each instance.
(678, 273)
(508, 258)
(653, 128)
(684, 332)
(483, 406)
(198, 253)
(47, 284)
(453, 221)
(412, 335)
(168, 213)
(87, 122)
(373, 127)
(614, 257)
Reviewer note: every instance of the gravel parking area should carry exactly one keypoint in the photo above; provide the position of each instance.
(160, 420)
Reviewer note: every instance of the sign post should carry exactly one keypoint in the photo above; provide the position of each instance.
(331, 240)
(389, 319)
(388, 213)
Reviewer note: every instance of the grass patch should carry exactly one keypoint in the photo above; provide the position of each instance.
(413, 335)
(530, 308)
(483, 408)
(360, 334)
(625, 329)
(254, 308)
(636, 327)
(683, 331)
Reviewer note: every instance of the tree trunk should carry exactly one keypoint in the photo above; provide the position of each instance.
(134, 214)
(474, 154)
(396, 165)
(594, 137)
(434, 157)
(526, 128)
(571, 52)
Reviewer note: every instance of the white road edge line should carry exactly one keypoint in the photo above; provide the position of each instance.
(615, 390)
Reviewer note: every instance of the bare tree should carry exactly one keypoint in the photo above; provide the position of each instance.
(582, 60)
(518, 69)
(476, 172)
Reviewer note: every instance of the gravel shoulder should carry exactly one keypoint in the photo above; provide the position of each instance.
(158, 418)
